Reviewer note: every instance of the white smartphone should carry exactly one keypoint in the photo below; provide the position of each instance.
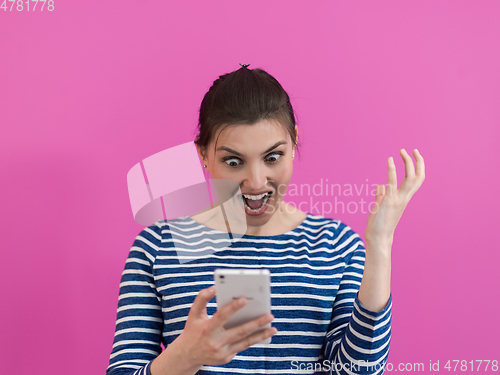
(254, 284)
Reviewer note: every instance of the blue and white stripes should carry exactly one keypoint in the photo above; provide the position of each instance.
(316, 270)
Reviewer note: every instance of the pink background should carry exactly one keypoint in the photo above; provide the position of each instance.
(92, 88)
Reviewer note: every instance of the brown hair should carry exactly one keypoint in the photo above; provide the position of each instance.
(245, 96)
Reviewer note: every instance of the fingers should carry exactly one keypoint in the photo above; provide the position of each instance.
(380, 192)
(222, 316)
(407, 182)
(392, 179)
(253, 339)
(237, 334)
(412, 181)
(199, 307)
(420, 176)
(420, 164)
(379, 195)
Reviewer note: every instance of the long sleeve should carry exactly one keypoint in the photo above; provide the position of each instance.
(139, 320)
(358, 339)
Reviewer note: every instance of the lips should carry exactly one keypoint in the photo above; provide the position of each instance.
(255, 200)
(256, 205)
(259, 193)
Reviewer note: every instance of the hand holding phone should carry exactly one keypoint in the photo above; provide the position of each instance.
(254, 285)
(205, 341)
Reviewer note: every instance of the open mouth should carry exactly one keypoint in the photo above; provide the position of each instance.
(256, 203)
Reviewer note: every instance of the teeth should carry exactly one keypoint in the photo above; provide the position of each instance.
(257, 209)
(255, 197)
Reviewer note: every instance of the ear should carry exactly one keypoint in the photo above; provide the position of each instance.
(201, 152)
(296, 135)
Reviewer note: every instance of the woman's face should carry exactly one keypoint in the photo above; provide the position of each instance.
(259, 158)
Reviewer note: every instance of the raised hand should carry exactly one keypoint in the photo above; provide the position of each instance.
(391, 202)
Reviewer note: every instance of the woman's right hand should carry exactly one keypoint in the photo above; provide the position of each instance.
(204, 341)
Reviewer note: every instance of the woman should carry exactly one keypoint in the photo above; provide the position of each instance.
(331, 299)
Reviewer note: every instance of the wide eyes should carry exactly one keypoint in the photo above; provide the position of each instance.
(234, 162)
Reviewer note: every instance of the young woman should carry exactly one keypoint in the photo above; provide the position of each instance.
(331, 299)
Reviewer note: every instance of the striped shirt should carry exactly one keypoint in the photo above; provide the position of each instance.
(316, 271)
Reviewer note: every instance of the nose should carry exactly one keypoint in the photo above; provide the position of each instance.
(256, 179)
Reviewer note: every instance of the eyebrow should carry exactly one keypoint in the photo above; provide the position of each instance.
(223, 148)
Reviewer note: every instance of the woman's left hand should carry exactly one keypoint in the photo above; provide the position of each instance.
(390, 204)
